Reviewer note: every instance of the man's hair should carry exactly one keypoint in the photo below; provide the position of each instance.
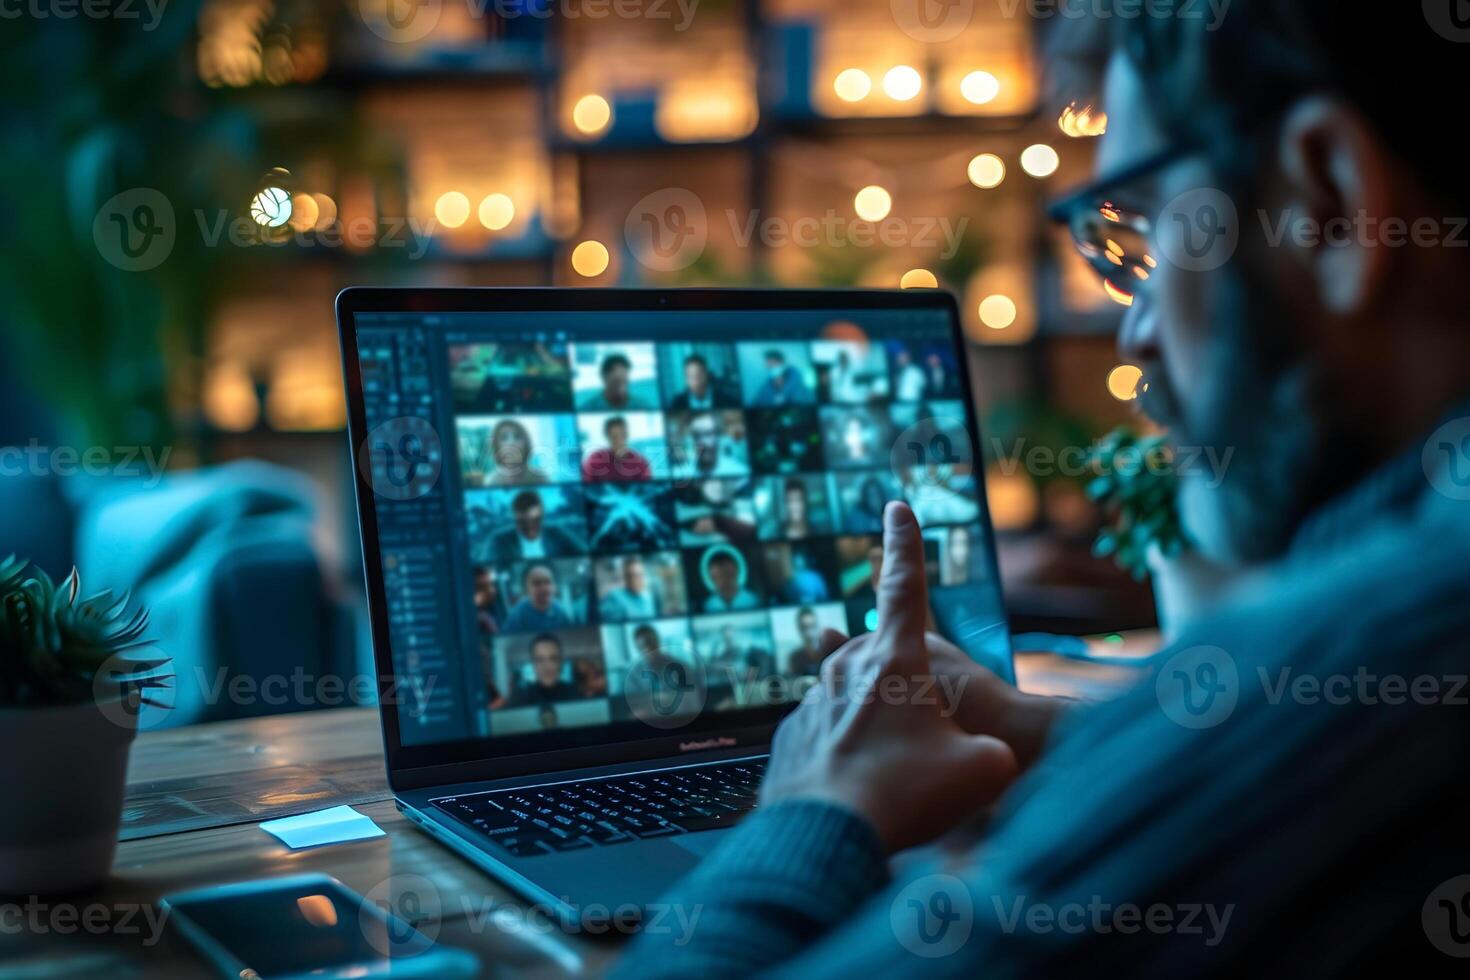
(524, 501)
(697, 359)
(804, 612)
(723, 557)
(526, 575)
(614, 361)
(645, 630)
(1222, 84)
(607, 426)
(797, 485)
(775, 355)
(479, 570)
(541, 638)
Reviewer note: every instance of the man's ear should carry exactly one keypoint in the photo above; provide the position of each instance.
(1338, 194)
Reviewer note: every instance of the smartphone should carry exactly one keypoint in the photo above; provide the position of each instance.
(306, 926)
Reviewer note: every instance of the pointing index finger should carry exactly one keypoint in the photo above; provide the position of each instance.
(903, 591)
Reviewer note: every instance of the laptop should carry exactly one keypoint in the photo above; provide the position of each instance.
(603, 531)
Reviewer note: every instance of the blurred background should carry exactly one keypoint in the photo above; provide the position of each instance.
(188, 183)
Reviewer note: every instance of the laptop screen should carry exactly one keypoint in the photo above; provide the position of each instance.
(602, 525)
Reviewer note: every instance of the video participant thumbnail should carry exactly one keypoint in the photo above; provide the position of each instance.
(708, 444)
(615, 377)
(776, 374)
(738, 656)
(517, 450)
(510, 377)
(549, 680)
(857, 438)
(721, 579)
(623, 447)
(850, 372)
(794, 507)
(960, 555)
(653, 672)
(513, 524)
(798, 632)
(715, 511)
(924, 370)
(549, 594)
(785, 440)
(800, 572)
(640, 587)
(699, 377)
(862, 497)
(624, 517)
(859, 567)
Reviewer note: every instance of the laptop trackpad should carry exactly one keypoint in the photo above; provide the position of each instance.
(700, 844)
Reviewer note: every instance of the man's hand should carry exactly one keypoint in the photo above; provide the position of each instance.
(880, 744)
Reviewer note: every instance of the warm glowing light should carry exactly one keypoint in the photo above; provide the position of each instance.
(326, 211)
(230, 402)
(1117, 295)
(872, 203)
(590, 259)
(1150, 261)
(271, 208)
(497, 211)
(980, 87)
(452, 209)
(997, 312)
(986, 170)
(1040, 160)
(304, 212)
(705, 109)
(1141, 273)
(919, 279)
(852, 85)
(1123, 382)
(902, 83)
(1085, 121)
(591, 115)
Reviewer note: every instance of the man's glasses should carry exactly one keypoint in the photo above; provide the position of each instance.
(1113, 238)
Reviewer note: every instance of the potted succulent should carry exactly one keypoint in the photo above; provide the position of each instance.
(73, 675)
(1137, 486)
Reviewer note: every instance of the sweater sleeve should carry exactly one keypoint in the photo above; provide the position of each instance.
(786, 876)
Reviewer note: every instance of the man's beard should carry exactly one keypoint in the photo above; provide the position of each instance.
(1249, 439)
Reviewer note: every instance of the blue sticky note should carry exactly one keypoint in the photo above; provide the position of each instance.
(331, 826)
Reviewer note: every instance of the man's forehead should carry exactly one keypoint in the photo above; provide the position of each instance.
(1133, 130)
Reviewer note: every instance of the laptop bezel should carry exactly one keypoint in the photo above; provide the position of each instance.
(472, 760)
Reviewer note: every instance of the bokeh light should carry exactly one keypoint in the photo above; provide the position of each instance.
(872, 203)
(986, 170)
(590, 258)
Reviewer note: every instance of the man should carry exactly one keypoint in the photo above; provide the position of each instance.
(912, 384)
(489, 606)
(701, 391)
(618, 462)
(658, 677)
(530, 537)
(726, 576)
(1271, 798)
(711, 450)
(806, 659)
(538, 609)
(547, 686)
(784, 384)
(635, 598)
(616, 394)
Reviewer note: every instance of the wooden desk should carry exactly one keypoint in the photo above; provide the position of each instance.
(196, 795)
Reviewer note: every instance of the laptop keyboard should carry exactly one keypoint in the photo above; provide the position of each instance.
(613, 810)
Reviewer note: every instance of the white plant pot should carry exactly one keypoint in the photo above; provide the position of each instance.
(64, 772)
(1186, 587)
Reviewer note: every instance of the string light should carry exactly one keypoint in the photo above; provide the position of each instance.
(591, 115)
(902, 82)
(852, 85)
(497, 211)
(1040, 160)
(872, 203)
(452, 209)
(590, 258)
(980, 87)
(986, 170)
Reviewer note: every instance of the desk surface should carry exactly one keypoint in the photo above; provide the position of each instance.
(196, 795)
